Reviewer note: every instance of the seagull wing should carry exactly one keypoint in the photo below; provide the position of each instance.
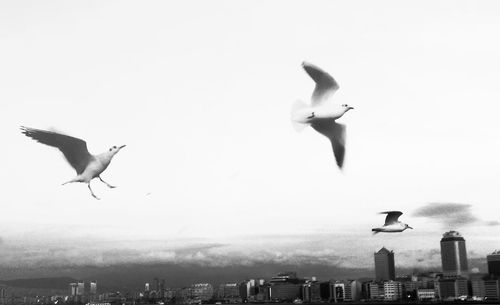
(74, 149)
(392, 217)
(336, 133)
(325, 84)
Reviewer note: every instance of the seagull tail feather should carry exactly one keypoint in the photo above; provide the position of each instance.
(298, 116)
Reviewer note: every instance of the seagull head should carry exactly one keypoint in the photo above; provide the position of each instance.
(346, 107)
(113, 150)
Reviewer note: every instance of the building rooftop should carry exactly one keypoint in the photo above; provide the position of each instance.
(384, 250)
(452, 236)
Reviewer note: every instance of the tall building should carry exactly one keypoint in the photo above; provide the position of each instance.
(80, 289)
(494, 263)
(453, 254)
(384, 265)
(93, 287)
(72, 289)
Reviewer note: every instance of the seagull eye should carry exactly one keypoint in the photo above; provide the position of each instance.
(110, 149)
(344, 105)
(114, 147)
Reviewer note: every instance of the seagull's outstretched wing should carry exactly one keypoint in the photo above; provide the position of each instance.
(74, 149)
(392, 217)
(325, 84)
(336, 133)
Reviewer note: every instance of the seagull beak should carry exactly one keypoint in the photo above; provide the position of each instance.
(350, 107)
(122, 146)
(410, 227)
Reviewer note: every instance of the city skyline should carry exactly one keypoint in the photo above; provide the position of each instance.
(213, 172)
(452, 282)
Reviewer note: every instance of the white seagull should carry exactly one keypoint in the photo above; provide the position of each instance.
(392, 225)
(321, 115)
(87, 166)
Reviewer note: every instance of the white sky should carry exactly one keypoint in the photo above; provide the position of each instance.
(200, 91)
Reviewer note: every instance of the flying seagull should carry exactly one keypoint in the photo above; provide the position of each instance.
(321, 114)
(87, 166)
(392, 225)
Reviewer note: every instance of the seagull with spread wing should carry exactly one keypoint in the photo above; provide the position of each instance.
(322, 114)
(392, 224)
(86, 165)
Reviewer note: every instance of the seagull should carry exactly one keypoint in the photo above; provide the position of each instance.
(392, 225)
(87, 166)
(322, 114)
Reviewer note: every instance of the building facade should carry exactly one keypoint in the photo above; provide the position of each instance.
(493, 261)
(384, 265)
(453, 254)
(393, 291)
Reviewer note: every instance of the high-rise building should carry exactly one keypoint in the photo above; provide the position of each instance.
(80, 289)
(72, 289)
(384, 265)
(93, 287)
(453, 254)
(494, 263)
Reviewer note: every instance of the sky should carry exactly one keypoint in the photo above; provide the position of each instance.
(201, 92)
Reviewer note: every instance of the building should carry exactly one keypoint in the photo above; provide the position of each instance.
(92, 287)
(376, 290)
(263, 292)
(229, 292)
(477, 284)
(337, 291)
(286, 287)
(492, 288)
(393, 291)
(202, 291)
(384, 265)
(452, 288)
(311, 292)
(453, 254)
(426, 294)
(72, 289)
(494, 263)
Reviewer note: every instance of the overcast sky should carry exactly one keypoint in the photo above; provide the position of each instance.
(201, 91)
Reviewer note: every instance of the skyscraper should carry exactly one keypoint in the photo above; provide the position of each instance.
(453, 254)
(494, 263)
(384, 265)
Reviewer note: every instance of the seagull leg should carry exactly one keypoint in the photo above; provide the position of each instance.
(91, 192)
(109, 185)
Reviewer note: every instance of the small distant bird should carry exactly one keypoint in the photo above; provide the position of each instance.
(87, 166)
(392, 224)
(321, 115)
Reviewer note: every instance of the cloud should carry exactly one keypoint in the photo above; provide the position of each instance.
(451, 214)
(492, 223)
